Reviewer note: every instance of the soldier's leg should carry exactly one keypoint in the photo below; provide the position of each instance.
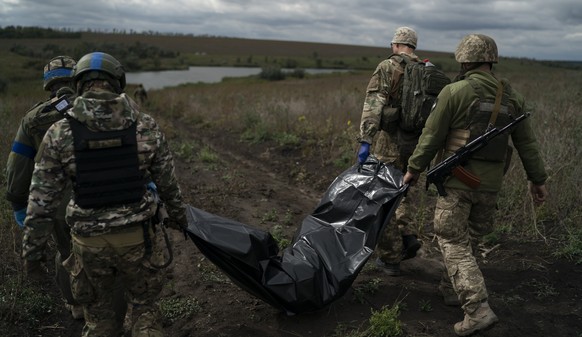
(389, 250)
(62, 237)
(407, 220)
(451, 227)
(93, 279)
(143, 285)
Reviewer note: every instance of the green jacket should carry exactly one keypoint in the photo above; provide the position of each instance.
(20, 162)
(450, 112)
(55, 167)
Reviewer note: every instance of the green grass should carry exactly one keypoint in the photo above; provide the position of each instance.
(174, 308)
(23, 303)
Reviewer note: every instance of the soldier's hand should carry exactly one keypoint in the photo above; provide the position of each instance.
(363, 152)
(19, 216)
(410, 178)
(539, 193)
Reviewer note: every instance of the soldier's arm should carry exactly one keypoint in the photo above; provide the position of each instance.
(19, 168)
(47, 186)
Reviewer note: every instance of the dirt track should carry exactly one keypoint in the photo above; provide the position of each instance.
(532, 294)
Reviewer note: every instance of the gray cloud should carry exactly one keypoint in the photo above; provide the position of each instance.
(537, 29)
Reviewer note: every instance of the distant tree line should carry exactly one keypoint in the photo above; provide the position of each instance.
(35, 32)
(20, 32)
(128, 55)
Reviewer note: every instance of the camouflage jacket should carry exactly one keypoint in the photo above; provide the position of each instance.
(450, 112)
(20, 162)
(382, 91)
(56, 166)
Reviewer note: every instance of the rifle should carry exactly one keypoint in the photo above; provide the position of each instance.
(453, 165)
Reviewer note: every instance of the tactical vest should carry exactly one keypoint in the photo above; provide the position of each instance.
(499, 112)
(107, 167)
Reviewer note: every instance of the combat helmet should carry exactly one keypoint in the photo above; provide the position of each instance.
(405, 35)
(59, 68)
(476, 48)
(99, 66)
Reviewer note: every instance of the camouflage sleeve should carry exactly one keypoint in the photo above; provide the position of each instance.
(377, 95)
(163, 175)
(47, 186)
(19, 168)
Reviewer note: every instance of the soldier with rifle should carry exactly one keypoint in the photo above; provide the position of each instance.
(464, 119)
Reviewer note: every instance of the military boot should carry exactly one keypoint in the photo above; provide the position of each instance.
(410, 246)
(480, 319)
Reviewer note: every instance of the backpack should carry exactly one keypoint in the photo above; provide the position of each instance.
(421, 84)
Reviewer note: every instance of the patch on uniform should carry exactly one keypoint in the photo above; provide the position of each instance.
(104, 143)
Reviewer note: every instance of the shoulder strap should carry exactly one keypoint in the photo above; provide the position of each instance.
(498, 97)
(497, 105)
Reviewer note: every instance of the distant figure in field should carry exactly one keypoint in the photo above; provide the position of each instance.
(140, 94)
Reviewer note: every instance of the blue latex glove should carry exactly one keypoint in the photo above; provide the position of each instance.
(363, 152)
(19, 216)
(151, 186)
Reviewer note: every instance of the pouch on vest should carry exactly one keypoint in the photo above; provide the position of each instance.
(107, 167)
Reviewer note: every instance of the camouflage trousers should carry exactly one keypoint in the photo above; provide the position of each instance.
(62, 237)
(461, 219)
(94, 273)
(388, 149)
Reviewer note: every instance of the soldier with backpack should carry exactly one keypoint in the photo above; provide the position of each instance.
(398, 100)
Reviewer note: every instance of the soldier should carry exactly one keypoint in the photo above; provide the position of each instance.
(140, 94)
(109, 150)
(392, 146)
(462, 113)
(57, 78)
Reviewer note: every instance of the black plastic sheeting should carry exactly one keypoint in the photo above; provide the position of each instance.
(327, 251)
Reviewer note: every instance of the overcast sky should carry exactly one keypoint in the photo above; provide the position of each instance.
(539, 29)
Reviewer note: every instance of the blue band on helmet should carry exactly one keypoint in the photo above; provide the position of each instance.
(60, 72)
(23, 150)
(96, 61)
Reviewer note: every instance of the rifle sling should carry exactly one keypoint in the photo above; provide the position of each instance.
(497, 105)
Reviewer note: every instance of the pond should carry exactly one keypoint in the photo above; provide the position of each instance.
(170, 78)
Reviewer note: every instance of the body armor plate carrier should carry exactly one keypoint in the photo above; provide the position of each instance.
(107, 167)
(480, 116)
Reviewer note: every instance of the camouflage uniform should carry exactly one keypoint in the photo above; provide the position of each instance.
(20, 163)
(109, 240)
(465, 215)
(391, 145)
(140, 94)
